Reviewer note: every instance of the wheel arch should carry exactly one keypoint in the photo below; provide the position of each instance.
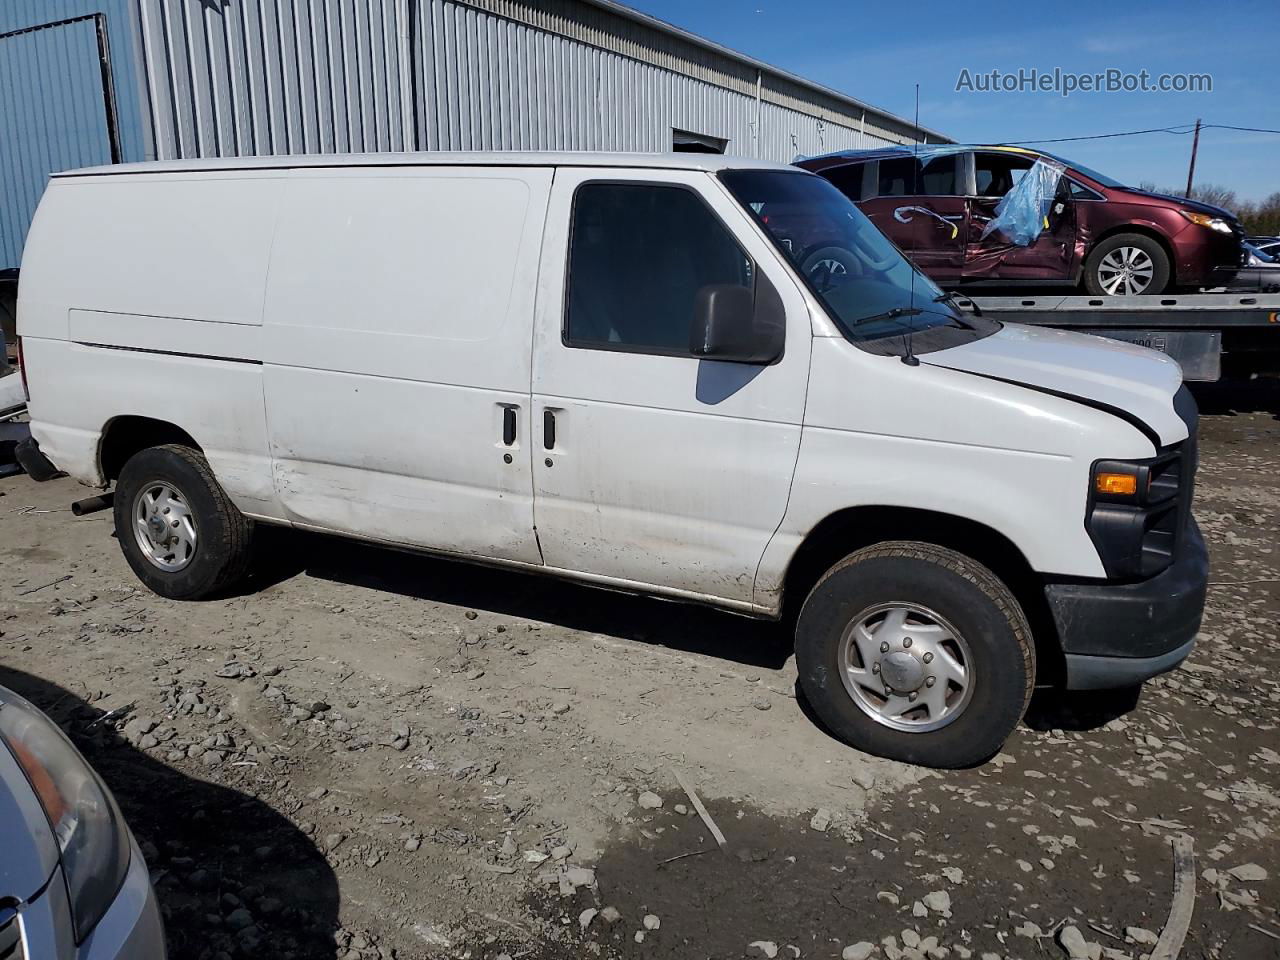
(124, 436)
(844, 531)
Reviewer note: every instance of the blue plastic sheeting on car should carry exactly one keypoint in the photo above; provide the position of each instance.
(1023, 213)
(928, 150)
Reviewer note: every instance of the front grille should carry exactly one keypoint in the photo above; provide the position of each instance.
(10, 936)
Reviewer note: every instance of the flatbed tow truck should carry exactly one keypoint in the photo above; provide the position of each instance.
(1209, 334)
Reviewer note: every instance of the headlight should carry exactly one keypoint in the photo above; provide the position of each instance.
(1133, 514)
(1204, 220)
(82, 812)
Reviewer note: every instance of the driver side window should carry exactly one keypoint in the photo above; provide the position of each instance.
(638, 256)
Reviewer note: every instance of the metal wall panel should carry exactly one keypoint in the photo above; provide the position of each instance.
(53, 116)
(487, 82)
(255, 77)
(320, 76)
(612, 26)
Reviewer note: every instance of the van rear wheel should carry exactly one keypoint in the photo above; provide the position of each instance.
(916, 653)
(177, 528)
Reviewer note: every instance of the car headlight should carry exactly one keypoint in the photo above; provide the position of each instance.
(1133, 514)
(81, 810)
(1205, 220)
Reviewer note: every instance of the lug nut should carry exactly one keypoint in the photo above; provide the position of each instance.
(884, 646)
(906, 642)
(930, 681)
(912, 696)
(875, 668)
(928, 658)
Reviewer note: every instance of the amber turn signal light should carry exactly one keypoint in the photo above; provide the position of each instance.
(1116, 484)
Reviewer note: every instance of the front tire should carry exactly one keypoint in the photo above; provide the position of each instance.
(177, 528)
(916, 653)
(1127, 264)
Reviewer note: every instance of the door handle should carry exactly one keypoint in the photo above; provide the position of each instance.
(509, 425)
(549, 429)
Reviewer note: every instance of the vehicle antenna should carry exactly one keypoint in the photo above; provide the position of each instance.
(908, 355)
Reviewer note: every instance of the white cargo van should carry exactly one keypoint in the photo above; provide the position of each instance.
(610, 368)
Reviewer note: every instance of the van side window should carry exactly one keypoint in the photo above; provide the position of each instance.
(912, 176)
(847, 179)
(996, 173)
(898, 177)
(638, 255)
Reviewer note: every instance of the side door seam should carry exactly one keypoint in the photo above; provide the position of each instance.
(533, 356)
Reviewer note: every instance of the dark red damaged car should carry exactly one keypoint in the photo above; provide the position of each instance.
(1014, 217)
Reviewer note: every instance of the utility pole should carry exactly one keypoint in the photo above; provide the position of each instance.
(1191, 170)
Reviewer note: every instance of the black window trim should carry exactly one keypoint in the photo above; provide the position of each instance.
(607, 347)
(1093, 196)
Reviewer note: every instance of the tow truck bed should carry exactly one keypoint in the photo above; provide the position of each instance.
(1195, 329)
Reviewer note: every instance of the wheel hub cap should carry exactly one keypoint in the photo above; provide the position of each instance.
(902, 671)
(163, 526)
(1125, 271)
(906, 667)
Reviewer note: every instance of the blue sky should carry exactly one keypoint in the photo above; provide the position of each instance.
(877, 52)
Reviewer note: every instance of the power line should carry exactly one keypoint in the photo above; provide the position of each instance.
(1181, 130)
(1227, 126)
(1103, 136)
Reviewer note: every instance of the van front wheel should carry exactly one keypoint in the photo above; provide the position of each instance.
(1127, 265)
(916, 653)
(179, 531)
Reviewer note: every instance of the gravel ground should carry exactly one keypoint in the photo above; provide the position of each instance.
(367, 754)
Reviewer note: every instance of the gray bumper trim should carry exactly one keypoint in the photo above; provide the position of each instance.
(1103, 673)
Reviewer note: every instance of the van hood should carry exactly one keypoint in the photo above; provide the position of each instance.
(1197, 205)
(1131, 382)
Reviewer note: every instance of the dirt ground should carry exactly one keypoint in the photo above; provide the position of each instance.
(367, 755)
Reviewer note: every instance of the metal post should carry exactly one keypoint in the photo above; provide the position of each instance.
(1191, 170)
(759, 77)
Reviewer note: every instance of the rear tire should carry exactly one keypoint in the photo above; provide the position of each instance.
(1145, 259)
(192, 542)
(958, 717)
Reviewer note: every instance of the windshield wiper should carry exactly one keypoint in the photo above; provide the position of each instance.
(950, 298)
(892, 314)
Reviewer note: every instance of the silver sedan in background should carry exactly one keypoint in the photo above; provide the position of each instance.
(73, 884)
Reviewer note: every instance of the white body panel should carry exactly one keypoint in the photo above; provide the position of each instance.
(343, 340)
(398, 322)
(672, 471)
(173, 265)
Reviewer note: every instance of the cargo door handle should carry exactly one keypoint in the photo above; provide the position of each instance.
(549, 429)
(509, 425)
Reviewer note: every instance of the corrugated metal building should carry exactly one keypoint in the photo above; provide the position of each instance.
(95, 81)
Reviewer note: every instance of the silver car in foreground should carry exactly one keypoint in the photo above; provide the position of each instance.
(73, 884)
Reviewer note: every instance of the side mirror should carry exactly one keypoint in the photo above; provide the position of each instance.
(732, 324)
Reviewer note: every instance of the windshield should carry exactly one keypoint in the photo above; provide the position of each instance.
(868, 287)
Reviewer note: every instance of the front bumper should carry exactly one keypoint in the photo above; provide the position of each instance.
(1119, 634)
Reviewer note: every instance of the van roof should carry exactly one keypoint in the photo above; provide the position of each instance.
(708, 162)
